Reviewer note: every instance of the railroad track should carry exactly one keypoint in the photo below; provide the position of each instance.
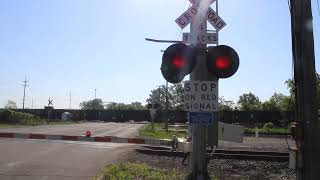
(221, 154)
(245, 133)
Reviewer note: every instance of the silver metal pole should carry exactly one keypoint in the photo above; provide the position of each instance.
(198, 155)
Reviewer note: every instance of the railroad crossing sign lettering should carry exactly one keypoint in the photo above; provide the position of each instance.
(187, 17)
(215, 20)
(197, 2)
(208, 38)
(201, 96)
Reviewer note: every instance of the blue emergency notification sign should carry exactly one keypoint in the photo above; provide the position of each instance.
(200, 117)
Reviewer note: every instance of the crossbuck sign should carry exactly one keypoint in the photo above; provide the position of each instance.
(213, 18)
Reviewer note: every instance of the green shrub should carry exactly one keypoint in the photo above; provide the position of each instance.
(5, 115)
(22, 118)
(268, 126)
(8, 116)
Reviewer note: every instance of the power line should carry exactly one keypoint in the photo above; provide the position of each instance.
(70, 100)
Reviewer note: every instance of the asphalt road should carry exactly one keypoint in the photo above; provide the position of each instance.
(23, 159)
(98, 129)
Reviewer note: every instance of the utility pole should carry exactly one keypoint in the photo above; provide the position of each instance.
(70, 100)
(307, 126)
(95, 93)
(24, 91)
(159, 94)
(167, 107)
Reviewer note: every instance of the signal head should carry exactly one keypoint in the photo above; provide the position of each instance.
(222, 61)
(178, 61)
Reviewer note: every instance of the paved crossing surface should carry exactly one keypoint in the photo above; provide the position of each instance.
(98, 129)
(23, 159)
(27, 159)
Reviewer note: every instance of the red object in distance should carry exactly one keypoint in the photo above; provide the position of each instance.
(223, 62)
(88, 133)
(179, 61)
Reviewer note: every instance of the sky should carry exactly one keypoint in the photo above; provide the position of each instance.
(77, 46)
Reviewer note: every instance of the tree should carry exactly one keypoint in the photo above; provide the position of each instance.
(95, 104)
(225, 105)
(290, 86)
(159, 96)
(11, 105)
(249, 102)
(278, 102)
(178, 95)
(122, 106)
(112, 106)
(136, 106)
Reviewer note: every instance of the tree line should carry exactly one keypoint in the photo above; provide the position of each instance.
(174, 96)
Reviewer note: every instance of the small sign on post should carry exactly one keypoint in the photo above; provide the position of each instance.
(201, 96)
(200, 117)
(208, 38)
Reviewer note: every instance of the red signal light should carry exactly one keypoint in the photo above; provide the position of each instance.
(178, 62)
(223, 62)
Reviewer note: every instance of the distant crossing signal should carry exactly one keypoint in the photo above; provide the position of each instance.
(178, 60)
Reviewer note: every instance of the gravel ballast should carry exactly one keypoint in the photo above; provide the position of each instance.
(222, 168)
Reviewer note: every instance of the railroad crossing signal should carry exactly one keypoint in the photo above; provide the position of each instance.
(50, 102)
(179, 60)
(222, 61)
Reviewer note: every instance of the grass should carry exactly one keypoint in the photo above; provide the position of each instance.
(124, 171)
(273, 130)
(158, 132)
